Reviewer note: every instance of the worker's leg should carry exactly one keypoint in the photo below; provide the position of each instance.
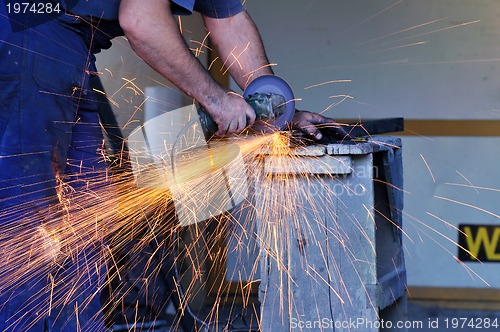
(27, 182)
(43, 75)
(89, 198)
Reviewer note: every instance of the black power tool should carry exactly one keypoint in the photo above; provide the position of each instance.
(272, 100)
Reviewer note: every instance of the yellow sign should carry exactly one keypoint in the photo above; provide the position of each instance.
(479, 243)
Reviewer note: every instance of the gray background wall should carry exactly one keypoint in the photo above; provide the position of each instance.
(410, 58)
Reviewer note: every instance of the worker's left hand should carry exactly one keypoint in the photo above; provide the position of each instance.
(308, 123)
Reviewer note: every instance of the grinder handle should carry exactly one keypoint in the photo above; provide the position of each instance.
(267, 107)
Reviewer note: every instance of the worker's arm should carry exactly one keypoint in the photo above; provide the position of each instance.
(239, 45)
(155, 36)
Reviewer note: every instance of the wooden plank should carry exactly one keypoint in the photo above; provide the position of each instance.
(308, 165)
(319, 258)
(352, 246)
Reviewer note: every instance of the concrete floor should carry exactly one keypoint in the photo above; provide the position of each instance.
(442, 316)
(424, 315)
(231, 317)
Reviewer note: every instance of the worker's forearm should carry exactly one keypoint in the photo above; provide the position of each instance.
(238, 43)
(154, 35)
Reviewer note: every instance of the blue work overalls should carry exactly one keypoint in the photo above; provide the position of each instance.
(49, 131)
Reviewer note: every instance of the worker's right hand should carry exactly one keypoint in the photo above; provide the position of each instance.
(231, 113)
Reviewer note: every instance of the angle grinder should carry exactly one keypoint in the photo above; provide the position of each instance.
(272, 100)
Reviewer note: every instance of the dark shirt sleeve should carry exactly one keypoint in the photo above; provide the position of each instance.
(211, 8)
(218, 8)
(182, 7)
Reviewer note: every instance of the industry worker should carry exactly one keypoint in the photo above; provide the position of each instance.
(51, 141)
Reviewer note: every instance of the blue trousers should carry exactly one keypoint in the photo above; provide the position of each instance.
(49, 135)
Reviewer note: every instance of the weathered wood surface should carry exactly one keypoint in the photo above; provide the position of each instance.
(319, 240)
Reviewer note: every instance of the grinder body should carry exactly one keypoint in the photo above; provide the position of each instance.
(272, 100)
(267, 107)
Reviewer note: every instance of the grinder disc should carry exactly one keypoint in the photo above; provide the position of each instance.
(276, 85)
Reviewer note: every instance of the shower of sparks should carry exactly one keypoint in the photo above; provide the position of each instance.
(428, 168)
(476, 188)
(342, 98)
(114, 210)
(233, 59)
(400, 46)
(403, 30)
(460, 25)
(376, 48)
(355, 26)
(260, 68)
(423, 231)
(469, 206)
(468, 181)
(202, 45)
(329, 82)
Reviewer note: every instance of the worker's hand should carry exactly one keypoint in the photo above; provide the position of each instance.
(309, 123)
(231, 113)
